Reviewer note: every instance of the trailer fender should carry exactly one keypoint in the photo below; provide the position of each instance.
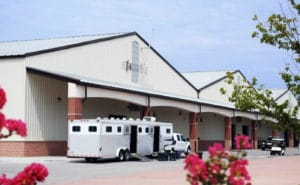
(119, 149)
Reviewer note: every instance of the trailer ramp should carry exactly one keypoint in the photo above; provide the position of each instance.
(140, 157)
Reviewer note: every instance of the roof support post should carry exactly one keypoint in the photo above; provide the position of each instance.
(74, 108)
(145, 111)
(291, 138)
(274, 132)
(194, 132)
(228, 133)
(254, 135)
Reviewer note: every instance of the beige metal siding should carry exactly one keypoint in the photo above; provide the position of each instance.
(107, 61)
(213, 93)
(102, 107)
(12, 80)
(46, 108)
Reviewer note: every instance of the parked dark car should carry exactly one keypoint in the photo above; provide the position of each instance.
(266, 143)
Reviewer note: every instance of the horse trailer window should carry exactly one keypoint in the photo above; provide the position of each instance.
(147, 129)
(108, 129)
(151, 130)
(126, 129)
(168, 130)
(92, 129)
(119, 129)
(76, 128)
(140, 129)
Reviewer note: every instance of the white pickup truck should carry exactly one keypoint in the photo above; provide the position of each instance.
(178, 143)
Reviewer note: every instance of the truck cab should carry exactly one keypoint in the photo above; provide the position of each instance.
(178, 143)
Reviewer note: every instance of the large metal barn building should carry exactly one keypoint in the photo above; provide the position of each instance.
(49, 81)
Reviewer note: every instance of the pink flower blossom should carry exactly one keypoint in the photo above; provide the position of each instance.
(16, 125)
(196, 168)
(238, 173)
(31, 174)
(2, 98)
(216, 150)
(4, 180)
(2, 120)
(242, 142)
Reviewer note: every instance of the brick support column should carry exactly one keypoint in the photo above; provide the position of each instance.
(194, 131)
(274, 132)
(74, 108)
(291, 139)
(254, 134)
(228, 133)
(145, 112)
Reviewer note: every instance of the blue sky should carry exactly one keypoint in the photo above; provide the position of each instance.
(193, 35)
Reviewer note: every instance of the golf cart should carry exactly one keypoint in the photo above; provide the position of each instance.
(278, 146)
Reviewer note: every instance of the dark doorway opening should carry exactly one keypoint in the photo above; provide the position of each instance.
(286, 138)
(133, 139)
(296, 140)
(156, 139)
(233, 133)
(245, 130)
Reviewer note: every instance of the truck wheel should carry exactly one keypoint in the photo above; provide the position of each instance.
(126, 155)
(188, 150)
(263, 149)
(271, 153)
(121, 155)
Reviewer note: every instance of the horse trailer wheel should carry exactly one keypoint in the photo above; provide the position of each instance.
(126, 155)
(121, 155)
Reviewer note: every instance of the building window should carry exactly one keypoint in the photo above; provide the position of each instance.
(147, 129)
(238, 80)
(140, 129)
(76, 128)
(135, 62)
(108, 129)
(92, 129)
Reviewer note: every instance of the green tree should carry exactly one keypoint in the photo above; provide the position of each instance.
(279, 30)
(249, 97)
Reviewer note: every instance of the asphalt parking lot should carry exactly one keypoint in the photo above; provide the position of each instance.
(68, 171)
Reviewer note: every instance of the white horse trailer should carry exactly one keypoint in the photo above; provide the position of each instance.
(94, 139)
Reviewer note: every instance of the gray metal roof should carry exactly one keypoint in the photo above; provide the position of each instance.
(85, 80)
(201, 79)
(22, 47)
(277, 92)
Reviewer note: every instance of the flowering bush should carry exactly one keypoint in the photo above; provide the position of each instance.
(11, 125)
(31, 174)
(221, 167)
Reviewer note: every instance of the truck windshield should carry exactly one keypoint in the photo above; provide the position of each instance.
(182, 138)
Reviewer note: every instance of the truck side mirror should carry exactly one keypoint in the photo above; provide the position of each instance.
(174, 142)
(187, 139)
